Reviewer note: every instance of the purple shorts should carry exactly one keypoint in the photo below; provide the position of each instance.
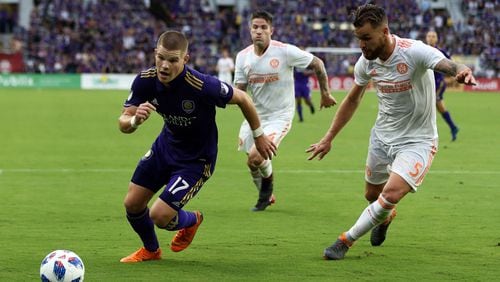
(182, 180)
(302, 92)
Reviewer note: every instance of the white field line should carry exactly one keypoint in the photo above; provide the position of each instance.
(284, 171)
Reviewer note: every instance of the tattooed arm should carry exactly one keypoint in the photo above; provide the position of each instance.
(318, 66)
(461, 72)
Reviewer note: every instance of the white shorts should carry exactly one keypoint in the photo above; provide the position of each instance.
(410, 161)
(276, 129)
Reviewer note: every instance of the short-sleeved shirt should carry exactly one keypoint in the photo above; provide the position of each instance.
(270, 77)
(188, 107)
(406, 91)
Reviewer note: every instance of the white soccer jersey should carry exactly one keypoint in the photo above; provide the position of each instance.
(270, 77)
(406, 91)
(225, 67)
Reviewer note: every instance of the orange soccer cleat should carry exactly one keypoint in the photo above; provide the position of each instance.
(184, 237)
(142, 255)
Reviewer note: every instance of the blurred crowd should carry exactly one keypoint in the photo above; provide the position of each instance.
(113, 36)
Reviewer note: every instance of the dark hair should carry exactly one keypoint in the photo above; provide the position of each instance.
(261, 14)
(373, 14)
(173, 40)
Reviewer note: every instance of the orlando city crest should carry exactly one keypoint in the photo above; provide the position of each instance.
(188, 106)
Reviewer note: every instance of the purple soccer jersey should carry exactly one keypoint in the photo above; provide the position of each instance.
(187, 106)
(301, 81)
(184, 153)
(439, 78)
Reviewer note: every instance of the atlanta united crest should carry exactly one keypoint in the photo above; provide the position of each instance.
(402, 68)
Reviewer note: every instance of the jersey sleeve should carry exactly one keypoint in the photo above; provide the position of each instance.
(219, 93)
(425, 55)
(297, 57)
(138, 92)
(239, 73)
(361, 77)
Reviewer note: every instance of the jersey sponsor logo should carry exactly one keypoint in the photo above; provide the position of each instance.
(274, 63)
(188, 106)
(263, 78)
(178, 120)
(402, 68)
(393, 87)
(224, 89)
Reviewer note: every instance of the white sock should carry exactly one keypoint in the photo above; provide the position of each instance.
(257, 178)
(266, 168)
(373, 215)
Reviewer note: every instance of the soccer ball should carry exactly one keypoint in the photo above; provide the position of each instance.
(63, 266)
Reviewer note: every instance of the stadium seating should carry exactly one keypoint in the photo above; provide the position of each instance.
(84, 36)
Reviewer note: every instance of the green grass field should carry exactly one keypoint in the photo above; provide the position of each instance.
(64, 170)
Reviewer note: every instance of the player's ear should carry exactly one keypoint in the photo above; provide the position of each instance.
(385, 30)
(186, 58)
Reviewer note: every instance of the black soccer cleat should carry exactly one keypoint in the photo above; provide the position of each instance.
(379, 232)
(266, 197)
(338, 249)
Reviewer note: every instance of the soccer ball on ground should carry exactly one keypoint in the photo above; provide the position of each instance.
(62, 266)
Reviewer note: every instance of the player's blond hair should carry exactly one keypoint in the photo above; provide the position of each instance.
(173, 40)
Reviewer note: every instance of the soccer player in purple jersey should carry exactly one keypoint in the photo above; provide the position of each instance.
(432, 39)
(302, 90)
(183, 155)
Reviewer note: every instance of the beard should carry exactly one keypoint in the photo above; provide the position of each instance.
(373, 53)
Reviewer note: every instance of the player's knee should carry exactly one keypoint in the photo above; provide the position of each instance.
(132, 206)
(254, 160)
(371, 196)
(372, 191)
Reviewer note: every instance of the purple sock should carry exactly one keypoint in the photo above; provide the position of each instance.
(144, 227)
(182, 220)
(447, 117)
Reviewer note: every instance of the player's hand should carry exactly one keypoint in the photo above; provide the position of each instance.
(265, 146)
(143, 112)
(465, 76)
(327, 101)
(319, 149)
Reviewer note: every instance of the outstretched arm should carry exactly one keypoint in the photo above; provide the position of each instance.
(318, 67)
(343, 115)
(263, 144)
(461, 72)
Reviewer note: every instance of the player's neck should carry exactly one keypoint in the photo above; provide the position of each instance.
(390, 48)
(259, 51)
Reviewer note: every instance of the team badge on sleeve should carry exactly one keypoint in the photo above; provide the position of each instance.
(224, 89)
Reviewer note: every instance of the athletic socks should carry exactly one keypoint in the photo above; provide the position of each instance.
(266, 168)
(299, 111)
(373, 215)
(256, 177)
(144, 227)
(182, 220)
(447, 117)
